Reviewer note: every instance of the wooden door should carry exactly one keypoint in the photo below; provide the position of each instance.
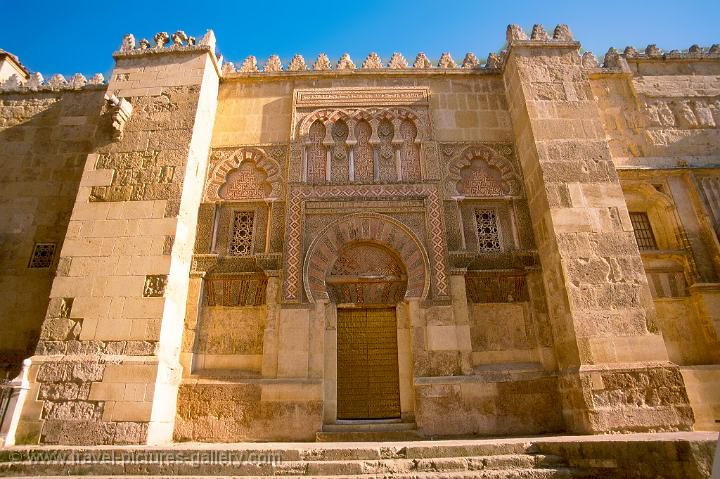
(367, 364)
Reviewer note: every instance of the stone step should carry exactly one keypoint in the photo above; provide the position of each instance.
(158, 466)
(557, 473)
(370, 431)
(280, 452)
(370, 426)
(368, 436)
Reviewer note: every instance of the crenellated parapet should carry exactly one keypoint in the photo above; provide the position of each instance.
(372, 63)
(616, 61)
(162, 42)
(515, 35)
(57, 82)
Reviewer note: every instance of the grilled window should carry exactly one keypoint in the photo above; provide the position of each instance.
(42, 255)
(643, 231)
(242, 233)
(487, 230)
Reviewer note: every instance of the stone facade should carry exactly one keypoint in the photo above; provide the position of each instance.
(197, 252)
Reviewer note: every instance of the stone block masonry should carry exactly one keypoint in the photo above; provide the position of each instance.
(612, 360)
(106, 371)
(200, 252)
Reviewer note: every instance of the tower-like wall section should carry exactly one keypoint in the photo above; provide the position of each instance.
(609, 352)
(106, 368)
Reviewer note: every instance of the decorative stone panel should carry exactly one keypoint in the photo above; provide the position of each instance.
(379, 229)
(496, 287)
(481, 171)
(229, 161)
(294, 228)
(235, 290)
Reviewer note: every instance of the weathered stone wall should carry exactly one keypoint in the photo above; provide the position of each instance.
(255, 111)
(106, 369)
(502, 333)
(499, 402)
(665, 112)
(162, 324)
(45, 137)
(598, 297)
(231, 338)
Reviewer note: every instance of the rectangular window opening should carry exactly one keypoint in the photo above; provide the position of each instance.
(242, 234)
(487, 230)
(42, 255)
(643, 231)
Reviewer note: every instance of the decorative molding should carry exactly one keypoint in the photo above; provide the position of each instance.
(294, 228)
(362, 96)
(371, 227)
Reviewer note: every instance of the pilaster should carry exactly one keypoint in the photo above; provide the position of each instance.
(614, 370)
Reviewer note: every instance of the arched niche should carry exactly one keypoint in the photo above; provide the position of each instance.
(372, 231)
(480, 172)
(264, 171)
(366, 273)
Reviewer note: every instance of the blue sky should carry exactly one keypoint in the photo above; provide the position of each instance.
(79, 36)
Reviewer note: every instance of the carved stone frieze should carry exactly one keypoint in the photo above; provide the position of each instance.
(362, 96)
(235, 290)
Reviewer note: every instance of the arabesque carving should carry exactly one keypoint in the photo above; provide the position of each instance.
(218, 175)
(294, 228)
(482, 172)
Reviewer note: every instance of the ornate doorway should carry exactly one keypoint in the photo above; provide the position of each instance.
(366, 282)
(367, 358)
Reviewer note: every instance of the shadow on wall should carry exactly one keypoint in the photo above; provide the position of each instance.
(45, 138)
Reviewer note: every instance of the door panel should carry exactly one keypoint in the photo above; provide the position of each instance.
(367, 378)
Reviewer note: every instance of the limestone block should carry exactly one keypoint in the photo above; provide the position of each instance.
(101, 177)
(103, 391)
(291, 392)
(129, 373)
(129, 411)
(442, 338)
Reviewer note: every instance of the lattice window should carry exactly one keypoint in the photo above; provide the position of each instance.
(42, 255)
(242, 234)
(487, 230)
(643, 231)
